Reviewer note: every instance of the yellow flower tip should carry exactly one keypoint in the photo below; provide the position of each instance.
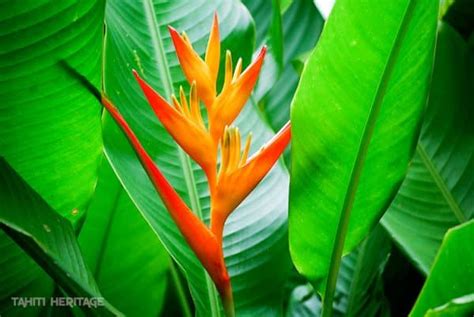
(231, 150)
(213, 49)
(194, 68)
(245, 155)
(176, 103)
(228, 69)
(238, 70)
(186, 38)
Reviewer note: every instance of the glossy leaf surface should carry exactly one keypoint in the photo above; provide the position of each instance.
(452, 273)
(129, 264)
(359, 289)
(461, 306)
(359, 285)
(355, 126)
(438, 192)
(45, 236)
(302, 25)
(21, 277)
(50, 124)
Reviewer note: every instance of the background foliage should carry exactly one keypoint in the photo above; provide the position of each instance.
(80, 218)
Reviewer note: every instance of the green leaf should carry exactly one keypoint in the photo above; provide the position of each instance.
(461, 306)
(45, 236)
(285, 4)
(261, 11)
(255, 243)
(452, 272)
(438, 192)
(50, 124)
(355, 119)
(134, 282)
(444, 6)
(359, 284)
(275, 35)
(359, 289)
(303, 302)
(20, 277)
(274, 60)
(302, 25)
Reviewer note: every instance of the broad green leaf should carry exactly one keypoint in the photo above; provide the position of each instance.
(285, 4)
(274, 60)
(20, 277)
(359, 289)
(255, 236)
(444, 6)
(355, 119)
(302, 25)
(129, 264)
(261, 11)
(45, 236)
(438, 192)
(359, 284)
(452, 273)
(50, 124)
(267, 16)
(461, 306)
(276, 34)
(303, 302)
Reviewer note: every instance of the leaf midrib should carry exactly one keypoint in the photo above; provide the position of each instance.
(441, 184)
(356, 171)
(165, 76)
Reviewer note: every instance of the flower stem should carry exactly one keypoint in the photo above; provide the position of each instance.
(228, 302)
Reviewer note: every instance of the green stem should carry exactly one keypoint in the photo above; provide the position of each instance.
(228, 301)
(229, 306)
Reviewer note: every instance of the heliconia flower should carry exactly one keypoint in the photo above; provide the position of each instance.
(203, 72)
(184, 123)
(235, 93)
(238, 176)
(238, 85)
(202, 241)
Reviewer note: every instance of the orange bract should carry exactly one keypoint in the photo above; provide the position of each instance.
(239, 176)
(184, 123)
(234, 94)
(203, 72)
